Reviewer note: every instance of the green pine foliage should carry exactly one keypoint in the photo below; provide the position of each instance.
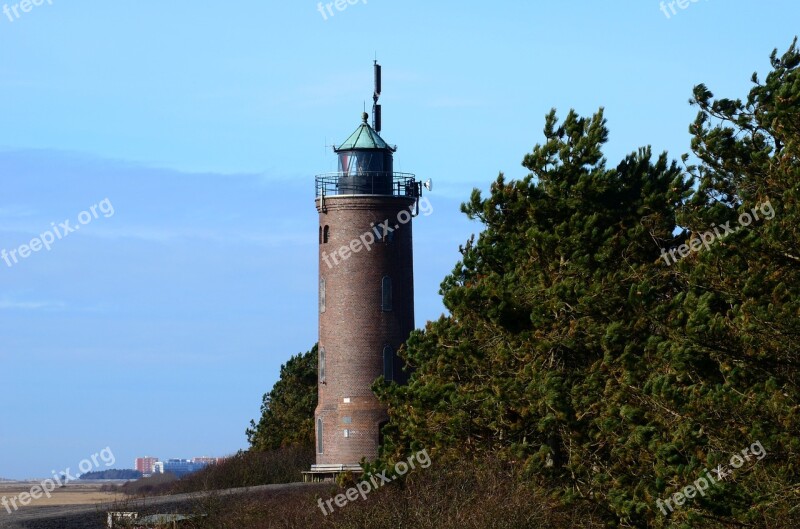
(287, 411)
(549, 333)
(574, 352)
(740, 307)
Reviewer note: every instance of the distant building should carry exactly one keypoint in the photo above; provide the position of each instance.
(145, 464)
(182, 467)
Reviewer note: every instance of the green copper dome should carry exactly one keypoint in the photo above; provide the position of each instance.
(364, 137)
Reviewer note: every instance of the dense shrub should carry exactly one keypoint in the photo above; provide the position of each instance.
(248, 469)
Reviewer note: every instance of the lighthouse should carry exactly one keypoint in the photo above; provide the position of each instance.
(366, 292)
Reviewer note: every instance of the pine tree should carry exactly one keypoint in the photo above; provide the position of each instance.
(549, 322)
(738, 319)
(577, 350)
(287, 411)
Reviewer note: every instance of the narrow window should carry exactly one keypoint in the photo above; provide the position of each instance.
(326, 233)
(319, 436)
(386, 297)
(320, 234)
(322, 294)
(322, 364)
(388, 363)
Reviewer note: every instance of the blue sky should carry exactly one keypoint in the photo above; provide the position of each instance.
(156, 330)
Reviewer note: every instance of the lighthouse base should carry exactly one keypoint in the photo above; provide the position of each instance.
(322, 473)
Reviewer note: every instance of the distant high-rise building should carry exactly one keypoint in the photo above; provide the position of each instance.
(145, 464)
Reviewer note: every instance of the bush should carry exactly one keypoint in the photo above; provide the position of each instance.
(148, 486)
(245, 469)
(465, 496)
(248, 469)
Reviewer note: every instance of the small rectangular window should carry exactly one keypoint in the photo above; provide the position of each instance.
(322, 364)
(322, 294)
(386, 294)
(388, 363)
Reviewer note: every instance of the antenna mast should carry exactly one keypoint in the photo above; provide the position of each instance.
(376, 108)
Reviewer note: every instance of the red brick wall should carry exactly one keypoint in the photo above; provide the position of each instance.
(354, 329)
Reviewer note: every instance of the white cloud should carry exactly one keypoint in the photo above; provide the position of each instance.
(16, 211)
(9, 304)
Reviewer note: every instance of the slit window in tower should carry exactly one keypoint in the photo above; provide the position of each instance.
(326, 232)
(322, 364)
(322, 294)
(319, 436)
(320, 234)
(386, 293)
(388, 363)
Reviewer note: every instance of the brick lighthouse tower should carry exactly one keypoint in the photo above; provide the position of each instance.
(366, 292)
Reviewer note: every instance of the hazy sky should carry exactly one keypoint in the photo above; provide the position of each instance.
(196, 129)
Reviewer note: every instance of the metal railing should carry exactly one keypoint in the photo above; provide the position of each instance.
(367, 183)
